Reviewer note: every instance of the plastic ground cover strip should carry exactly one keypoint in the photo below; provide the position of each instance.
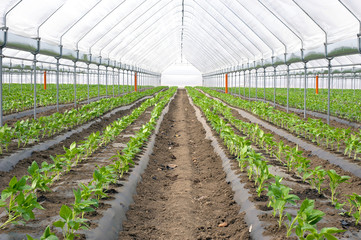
(241, 195)
(332, 158)
(111, 222)
(7, 163)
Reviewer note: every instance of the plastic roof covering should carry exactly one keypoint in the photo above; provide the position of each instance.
(211, 35)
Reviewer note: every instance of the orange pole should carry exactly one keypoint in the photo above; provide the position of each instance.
(226, 83)
(135, 81)
(316, 84)
(44, 80)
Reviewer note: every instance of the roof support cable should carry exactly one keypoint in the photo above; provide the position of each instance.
(288, 65)
(359, 21)
(3, 45)
(226, 28)
(101, 20)
(147, 20)
(182, 31)
(38, 30)
(286, 25)
(247, 26)
(206, 52)
(285, 46)
(61, 37)
(308, 15)
(250, 28)
(7, 13)
(114, 26)
(329, 66)
(234, 48)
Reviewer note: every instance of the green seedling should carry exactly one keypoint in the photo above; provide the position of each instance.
(18, 202)
(47, 235)
(278, 197)
(355, 202)
(70, 222)
(335, 181)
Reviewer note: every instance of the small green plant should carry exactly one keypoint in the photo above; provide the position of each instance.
(47, 235)
(355, 202)
(70, 222)
(335, 181)
(317, 177)
(39, 179)
(263, 176)
(121, 163)
(279, 196)
(20, 203)
(305, 221)
(82, 206)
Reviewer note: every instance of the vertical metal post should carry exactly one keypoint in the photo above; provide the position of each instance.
(249, 84)
(21, 78)
(123, 82)
(226, 83)
(113, 82)
(1, 87)
(342, 79)
(239, 84)
(305, 92)
(274, 86)
(88, 81)
(106, 81)
(57, 84)
(127, 81)
(98, 81)
(328, 94)
(256, 82)
(74, 83)
(10, 75)
(288, 86)
(244, 83)
(118, 81)
(34, 69)
(264, 84)
(354, 81)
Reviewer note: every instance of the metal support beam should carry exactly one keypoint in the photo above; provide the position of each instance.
(288, 87)
(328, 91)
(305, 93)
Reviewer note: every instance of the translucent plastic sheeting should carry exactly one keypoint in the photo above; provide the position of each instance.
(209, 34)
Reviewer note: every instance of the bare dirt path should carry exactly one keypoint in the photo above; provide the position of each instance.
(184, 194)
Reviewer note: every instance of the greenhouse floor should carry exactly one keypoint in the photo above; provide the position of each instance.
(185, 183)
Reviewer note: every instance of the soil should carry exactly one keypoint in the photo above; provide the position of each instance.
(20, 169)
(333, 123)
(303, 190)
(184, 194)
(62, 190)
(49, 112)
(13, 147)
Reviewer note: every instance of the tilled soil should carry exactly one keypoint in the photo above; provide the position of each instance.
(49, 112)
(333, 123)
(303, 190)
(62, 190)
(22, 166)
(184, 194)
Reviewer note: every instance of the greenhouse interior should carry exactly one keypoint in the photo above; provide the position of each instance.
(180, 119)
